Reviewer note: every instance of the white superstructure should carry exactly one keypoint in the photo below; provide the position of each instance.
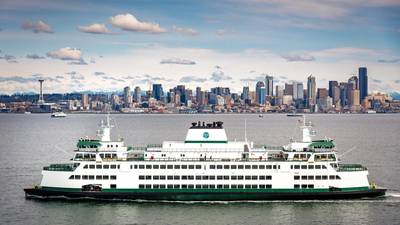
(206, 159)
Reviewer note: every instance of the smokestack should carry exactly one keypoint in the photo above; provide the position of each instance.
(41, 100)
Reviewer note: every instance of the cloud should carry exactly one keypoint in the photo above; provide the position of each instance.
(345, 51)
(253, 79)
(223, 32)
(219, 76)
(99, 73)
(298, 58)
(185, 31)
(158, 78)
(9, 58)
(60, 77)
(75, 75)
(34, 56)
(129, 22)
(397, 81)
(112, 78)
(376, 81)
(177, 61)
(189, 79)
(95, 28)
(17, 79)
(388, 60)
(146, 79)
(66, 53)
(78, 62)
(28, 79)
(37, 27)
(128, 77)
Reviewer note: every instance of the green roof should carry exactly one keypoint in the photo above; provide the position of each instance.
(322, 144)
(85, 143)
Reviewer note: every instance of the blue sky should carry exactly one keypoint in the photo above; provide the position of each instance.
(106, 45)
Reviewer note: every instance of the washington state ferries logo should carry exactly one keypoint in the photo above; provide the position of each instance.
(206, 135)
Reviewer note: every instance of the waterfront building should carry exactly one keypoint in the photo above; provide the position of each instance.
(287, 100)
(363, 82)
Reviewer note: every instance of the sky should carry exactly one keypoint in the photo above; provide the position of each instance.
(107, 45)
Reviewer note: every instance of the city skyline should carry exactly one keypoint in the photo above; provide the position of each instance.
(103, 46)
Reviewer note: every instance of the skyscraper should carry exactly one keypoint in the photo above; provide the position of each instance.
(259, 85)
(311, 89)
(245, 93)
(41, 99)
(288, 89)
(332, 85)
(322, 93)
(198, 95)
(269, 85)
(363, 82)
(353, 82)
(85, 101)
(138, 94)
(262, 94)
(127, 97)
(157, 92)
(344, 99)
(297, 90)
(180, 90)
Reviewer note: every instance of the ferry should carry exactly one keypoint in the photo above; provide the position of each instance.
(205, 166)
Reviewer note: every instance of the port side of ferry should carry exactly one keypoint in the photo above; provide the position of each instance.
(205, 167)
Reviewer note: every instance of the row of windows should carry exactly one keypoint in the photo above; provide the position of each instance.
(92, 177)
(297, 186)
(165, 166)
(212, 177)
(113, 166)
(108, 155)
(105, 166)
(310, 167)
(247, 167)
(324, 177)
(205, 186)
(211, 166)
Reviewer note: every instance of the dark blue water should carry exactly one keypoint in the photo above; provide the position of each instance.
(28, 142)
